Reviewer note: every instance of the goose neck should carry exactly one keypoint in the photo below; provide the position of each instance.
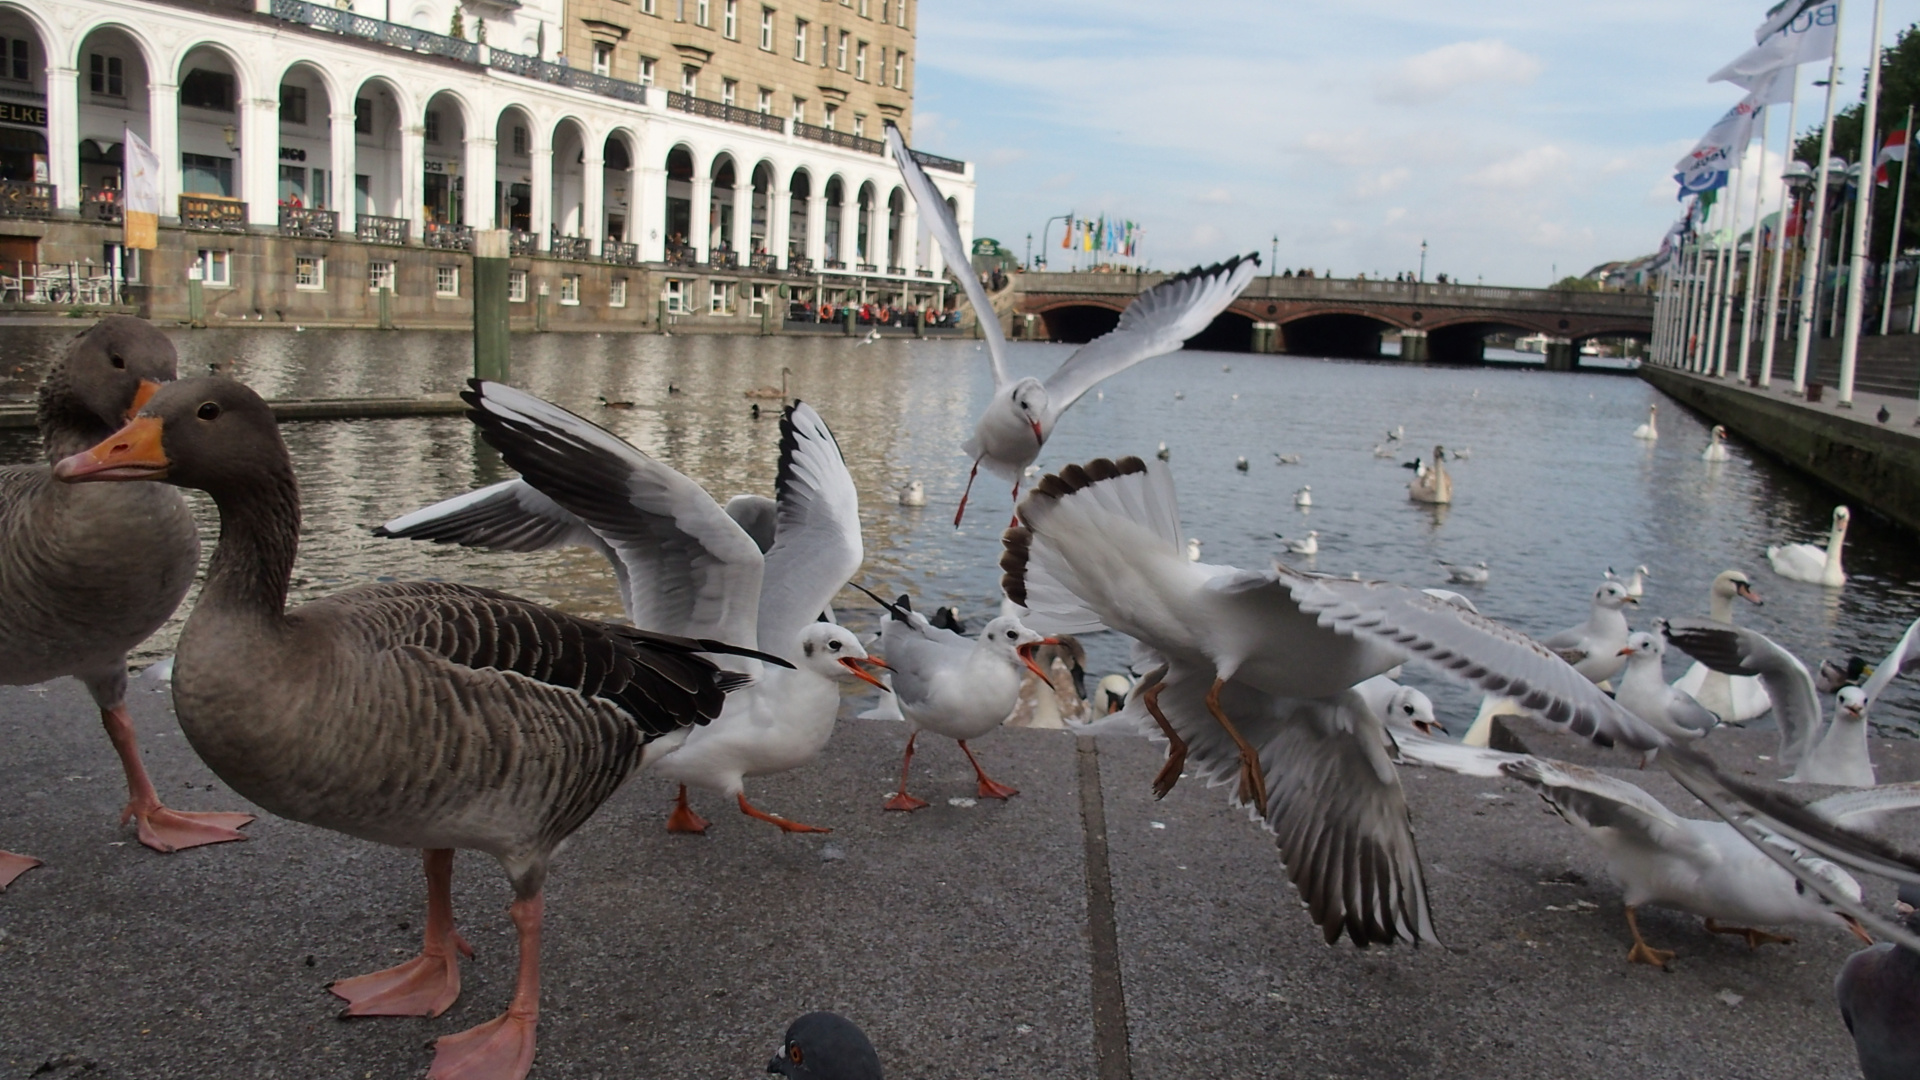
(259, 537)
(66, 425)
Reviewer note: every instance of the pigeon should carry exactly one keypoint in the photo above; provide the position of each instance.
(825, 1046)
(1879, 994)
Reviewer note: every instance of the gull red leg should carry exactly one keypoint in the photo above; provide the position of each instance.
(958, 514)
(12, 866)
(1169, 774)
(758, 814)
(989, 789)
(161, 829)
(428, 984)
(683, 819)
(901, 800)
(1253, 782)
(501, 1048)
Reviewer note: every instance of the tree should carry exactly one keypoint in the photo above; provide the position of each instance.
(1899, 88)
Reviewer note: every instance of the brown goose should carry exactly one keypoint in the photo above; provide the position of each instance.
(86, 574)
(426, 715)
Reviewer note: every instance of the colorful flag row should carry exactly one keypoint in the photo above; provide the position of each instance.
(1114, 236)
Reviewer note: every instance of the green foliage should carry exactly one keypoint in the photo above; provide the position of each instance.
(459, 27)
(1571, 283)
(1899, 89)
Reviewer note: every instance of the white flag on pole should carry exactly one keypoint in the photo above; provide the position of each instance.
(142, 167)
(1724, 143)
(1799, 32)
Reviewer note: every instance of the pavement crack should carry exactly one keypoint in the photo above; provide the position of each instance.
(1112, 1050)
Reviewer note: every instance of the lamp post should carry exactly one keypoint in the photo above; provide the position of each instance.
(1799, 181)
(1423, 262)
(1273, 257)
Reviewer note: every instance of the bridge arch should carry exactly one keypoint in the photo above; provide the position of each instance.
(1230, 331)
(1338, 333)
(1076, 322)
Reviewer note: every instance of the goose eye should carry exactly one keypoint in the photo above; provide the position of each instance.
(208, 411)
(118, 361)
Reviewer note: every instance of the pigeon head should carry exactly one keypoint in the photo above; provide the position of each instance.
(825, 1046)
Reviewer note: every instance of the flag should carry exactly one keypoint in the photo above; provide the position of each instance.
(140, 206)
(1066, 235)
(1718, 150)
(1893, 149)
(1798, 32)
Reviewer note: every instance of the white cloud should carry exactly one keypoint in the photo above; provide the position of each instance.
(1382, 183)
(1526, 169)
(1214, 197)
(1432, 75)
(1004, 155)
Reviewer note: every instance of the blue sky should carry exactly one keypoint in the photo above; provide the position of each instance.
(1516, 137)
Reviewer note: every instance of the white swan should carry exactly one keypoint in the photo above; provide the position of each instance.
(1734, 698)
(1193, 549)
(1648, 430)
(1716, 445)
(1811, 563)
(1303, 497)
(1431, 484)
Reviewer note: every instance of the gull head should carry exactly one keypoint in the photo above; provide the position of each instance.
(1415, 709)
(1643, 647)
(1028, 399)
(834, 652)
(1612, 595)
(1010, 637)
(1853, 704)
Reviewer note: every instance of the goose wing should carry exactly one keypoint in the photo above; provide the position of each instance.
(938, 217)
(1903, 660)
(816, 545)
(1736, 650)
(694, 571)
(1157, 322)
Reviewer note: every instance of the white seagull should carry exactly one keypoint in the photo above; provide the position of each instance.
(1810, 562)
(1637, 584)
(1023, 412)
(914, 494)
(1735, 699)
(686, 566)
(1477, 574)
(1644, 691)
(1308, 546)
(952, 686)
(1272, 656)
(1594, 647)
(1304, 497)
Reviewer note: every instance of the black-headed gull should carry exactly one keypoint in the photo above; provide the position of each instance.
(1476, 574)
(686, 566)
(952, 685)
(1022, 413)
(1735, 699)
(1644, 691)
(1593, 647)
(1810, 562)
(1100, 548)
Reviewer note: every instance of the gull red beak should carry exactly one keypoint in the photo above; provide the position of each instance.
(132, 453)
(1037, 436)
(141, 395)
(1859, 931)
(1026, 657)
(875, 661)
(859, 672)
(1629, 651)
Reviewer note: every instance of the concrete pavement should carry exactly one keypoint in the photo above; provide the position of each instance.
(958, 937)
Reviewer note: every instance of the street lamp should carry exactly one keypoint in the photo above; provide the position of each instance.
(1423, 262)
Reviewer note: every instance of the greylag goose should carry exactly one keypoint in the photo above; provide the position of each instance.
(691, 569)
(86, 574)
(426, 715)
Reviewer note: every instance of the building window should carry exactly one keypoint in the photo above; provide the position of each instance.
(647, 7)
(15, 59)
(309, 272)
(617, 292)
(363, 116)
(766, 29)
(718, 293)
(201, 174)
(859, 125)
(883, 11)
(379, 276)
(728, 88)
(516, 286)
(840, 54)
(832, 111)
(757, 300)
(602, 58)
(446, 281)
(570, 289)
(860, 61)
(700, 11)
(899, 70)
(799, 110)
(900, 11)
(203, 89)
(646, 71)
(730, 20)
(766, 102)
(519, 141)
(676, 296)
(433, 125)
(800, 40)
(690, 81)
(865, 13)
(293, 105)
(214, 266)
(106, 75)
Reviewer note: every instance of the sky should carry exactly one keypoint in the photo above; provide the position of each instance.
(1522, 140)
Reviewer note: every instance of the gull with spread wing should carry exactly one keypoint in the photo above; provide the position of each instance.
(759, 571)
(1023, 412)
(1100, 548)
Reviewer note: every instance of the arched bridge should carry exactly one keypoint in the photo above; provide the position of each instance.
(1345, 317)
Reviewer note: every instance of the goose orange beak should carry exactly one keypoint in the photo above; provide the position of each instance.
(132, 453)
(141, 395)
(859, 672)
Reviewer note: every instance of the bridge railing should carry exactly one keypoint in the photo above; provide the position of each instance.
(1362, 290)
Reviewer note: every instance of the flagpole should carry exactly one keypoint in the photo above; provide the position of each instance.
(1663, 312)
(1702, 290)
(1899, 210)
(1690, 307)
(1729, 266)
(1862, 216)
(1753, 250)
(1803, 340)
(1779, 244)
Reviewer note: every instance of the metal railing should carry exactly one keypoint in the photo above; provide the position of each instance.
(722, 259)
(679, 255)
(765, 263)
(732, 114)
(312, 224)
(213, 212)
(836, 264)
(619, 254)
(102, 206)
(447, 236)
(24, 198)
(532, 67)
(935, 161)
(799, 264)
(897, 271)
(867, 268)
(344, 22)
(838, 138)
(577, 248)
(374, 229)
(522, 242)
(923, 273)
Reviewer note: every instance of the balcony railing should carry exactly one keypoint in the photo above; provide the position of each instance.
(447, 236)
(102, 206)
(374, 229)
(765, 263)
(836, 264)
(923, 273)
(732, 114)
(679, 255)
(619, 254)
(897, 271)
(722, 259)
(935, 161)
(799, 264)
(26, 199)
(578, 248)
(213, 212)
(522, 242)
(342, 21)
(312, 224)
(838, 138)
(867, 268)
(561, 75)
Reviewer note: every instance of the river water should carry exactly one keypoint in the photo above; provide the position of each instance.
(1555, 490)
